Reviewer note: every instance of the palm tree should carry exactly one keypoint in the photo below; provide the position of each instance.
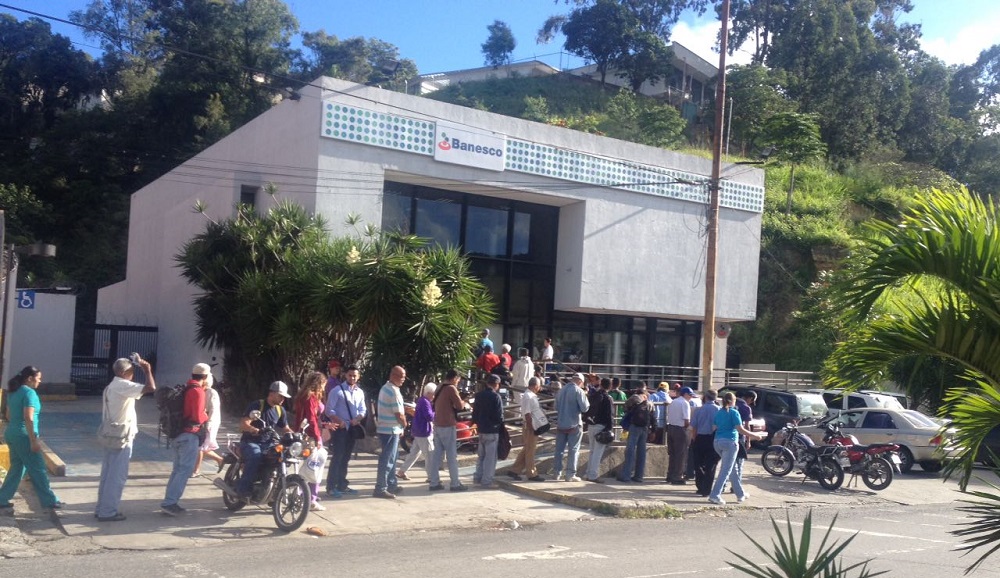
(929, 286)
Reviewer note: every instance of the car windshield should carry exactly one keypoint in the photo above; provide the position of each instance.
(918, 419)
(811, 405)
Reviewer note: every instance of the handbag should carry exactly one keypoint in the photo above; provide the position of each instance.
(112, 435)
(356, 431)
(543, 429)
(503, 443)
(312, 471)
(605, 436)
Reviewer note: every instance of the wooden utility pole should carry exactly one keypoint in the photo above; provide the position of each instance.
(711, 265)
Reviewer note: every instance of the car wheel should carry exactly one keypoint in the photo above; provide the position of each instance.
(905, 460)
(931, 466)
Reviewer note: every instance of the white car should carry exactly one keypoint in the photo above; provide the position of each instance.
(921, 440)
(837, 401)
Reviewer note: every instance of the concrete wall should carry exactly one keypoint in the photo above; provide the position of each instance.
(619, 252)
(43, 337)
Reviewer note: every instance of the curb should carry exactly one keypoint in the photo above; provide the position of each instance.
(53, 463)
(633, 509)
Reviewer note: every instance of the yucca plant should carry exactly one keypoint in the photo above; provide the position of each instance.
(984, 530)
(792, 558)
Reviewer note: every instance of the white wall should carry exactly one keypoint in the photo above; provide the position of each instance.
(43, 337)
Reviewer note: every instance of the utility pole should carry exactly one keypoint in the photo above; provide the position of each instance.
(711, 265)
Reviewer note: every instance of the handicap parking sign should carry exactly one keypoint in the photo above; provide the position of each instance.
(25, 299)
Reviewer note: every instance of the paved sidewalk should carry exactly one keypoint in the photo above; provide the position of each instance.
(69, 428)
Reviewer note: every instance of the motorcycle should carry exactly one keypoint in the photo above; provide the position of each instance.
(278, 484)
(875, 463)
(824, 464)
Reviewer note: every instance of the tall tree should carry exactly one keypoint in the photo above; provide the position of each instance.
(757, 21)
(795, 138)
(499, 45)
(598, 33)
(365, 61)
(755, 94)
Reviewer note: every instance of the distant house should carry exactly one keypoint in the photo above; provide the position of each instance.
(689, 88)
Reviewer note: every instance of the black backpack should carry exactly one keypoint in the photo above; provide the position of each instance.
(170, 402)
(640, 415)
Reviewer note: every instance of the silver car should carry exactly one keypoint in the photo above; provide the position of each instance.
(920, 439)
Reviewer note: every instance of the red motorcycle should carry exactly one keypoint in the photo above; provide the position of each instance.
(875, 463)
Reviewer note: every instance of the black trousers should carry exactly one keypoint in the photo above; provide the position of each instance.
(678, 439)
(705, 461)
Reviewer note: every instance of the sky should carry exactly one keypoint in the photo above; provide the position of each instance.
(444, 35)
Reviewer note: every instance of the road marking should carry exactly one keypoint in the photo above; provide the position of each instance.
(883, 520)
(552, 553)
(881, 534)
(678, 573)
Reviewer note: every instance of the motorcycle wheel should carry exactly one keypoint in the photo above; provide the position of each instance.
(233, 473)
(878, 474)
(831, 475)
(291, 505)
(778, 461)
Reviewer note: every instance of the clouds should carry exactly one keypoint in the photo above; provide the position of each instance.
(701, 37)
(964, 46)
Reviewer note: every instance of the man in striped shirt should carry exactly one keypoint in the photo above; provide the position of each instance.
(390, 422)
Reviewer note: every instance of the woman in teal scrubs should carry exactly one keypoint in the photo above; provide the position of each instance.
(23, 407)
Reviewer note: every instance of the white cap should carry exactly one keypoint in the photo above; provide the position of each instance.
(201, 369)
(280, 387)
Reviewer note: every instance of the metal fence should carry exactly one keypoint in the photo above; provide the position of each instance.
(98, 346)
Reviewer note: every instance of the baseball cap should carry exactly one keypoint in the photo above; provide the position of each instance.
(686, 391)
(579, 377)
(280, 387)
(201, 369)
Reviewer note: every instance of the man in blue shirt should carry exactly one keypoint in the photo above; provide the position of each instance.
(345, 406)
(660, 401)
(705, 458)
(487, 414)
(254, 443)
(571, 404)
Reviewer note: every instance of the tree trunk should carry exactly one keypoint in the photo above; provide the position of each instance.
(791, 189)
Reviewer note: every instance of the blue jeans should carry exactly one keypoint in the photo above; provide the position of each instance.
(569, 440)
(727, 469)
(445, 443)
(252, 454)
(385, 476)
(114, 473)
(635, 455)
(596, 452)
(22, 459)
(186, 450)
(486, 465)
(341, 447)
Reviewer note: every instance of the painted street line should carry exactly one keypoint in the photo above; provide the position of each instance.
(552, 553)
(882, 534)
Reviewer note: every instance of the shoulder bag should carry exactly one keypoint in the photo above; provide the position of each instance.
(112, 435)
(355, 431)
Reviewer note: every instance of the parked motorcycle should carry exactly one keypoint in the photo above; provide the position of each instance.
(875, 463)
(795, 450)
(278, 484)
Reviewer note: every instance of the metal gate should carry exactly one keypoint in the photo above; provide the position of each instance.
(98, 346)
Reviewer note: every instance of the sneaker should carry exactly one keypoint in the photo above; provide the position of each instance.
(513, 476)
(402, 476)
(335, 494)
(383, 494)
(489, 486)
(596, 481)
(574, 479)
(172, 510)
(717, 501)
(395, 490)
(458, 488)
(317, 507)
(119, 517)
(536, 479)
(743, 498)
(58, 505)
(436, 488)
(350, 491)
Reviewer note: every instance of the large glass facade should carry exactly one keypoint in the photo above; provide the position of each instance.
(511, 246)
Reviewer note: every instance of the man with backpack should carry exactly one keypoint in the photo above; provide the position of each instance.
(254, 443)
(639, 413)
(187, 438)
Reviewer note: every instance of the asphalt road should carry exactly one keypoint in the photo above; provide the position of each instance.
(911, 542)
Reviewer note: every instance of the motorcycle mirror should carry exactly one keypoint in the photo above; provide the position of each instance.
(255, 414)
(303, 425)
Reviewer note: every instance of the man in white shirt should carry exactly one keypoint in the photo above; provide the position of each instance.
(534, 418)
(678, 421)
(520, 373)
(119, 408)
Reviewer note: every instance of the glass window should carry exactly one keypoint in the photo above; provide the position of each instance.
(493, 274)
(396, 210)
(486, 232)
(439, 220)
(522, 236)
(531, 292)
(248, 195)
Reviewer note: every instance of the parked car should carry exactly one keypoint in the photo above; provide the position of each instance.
(778, 407)
(921, 440)
(837, 401)
(990, 444)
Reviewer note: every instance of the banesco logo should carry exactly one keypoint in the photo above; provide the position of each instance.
(447, 144)
(444, 144)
